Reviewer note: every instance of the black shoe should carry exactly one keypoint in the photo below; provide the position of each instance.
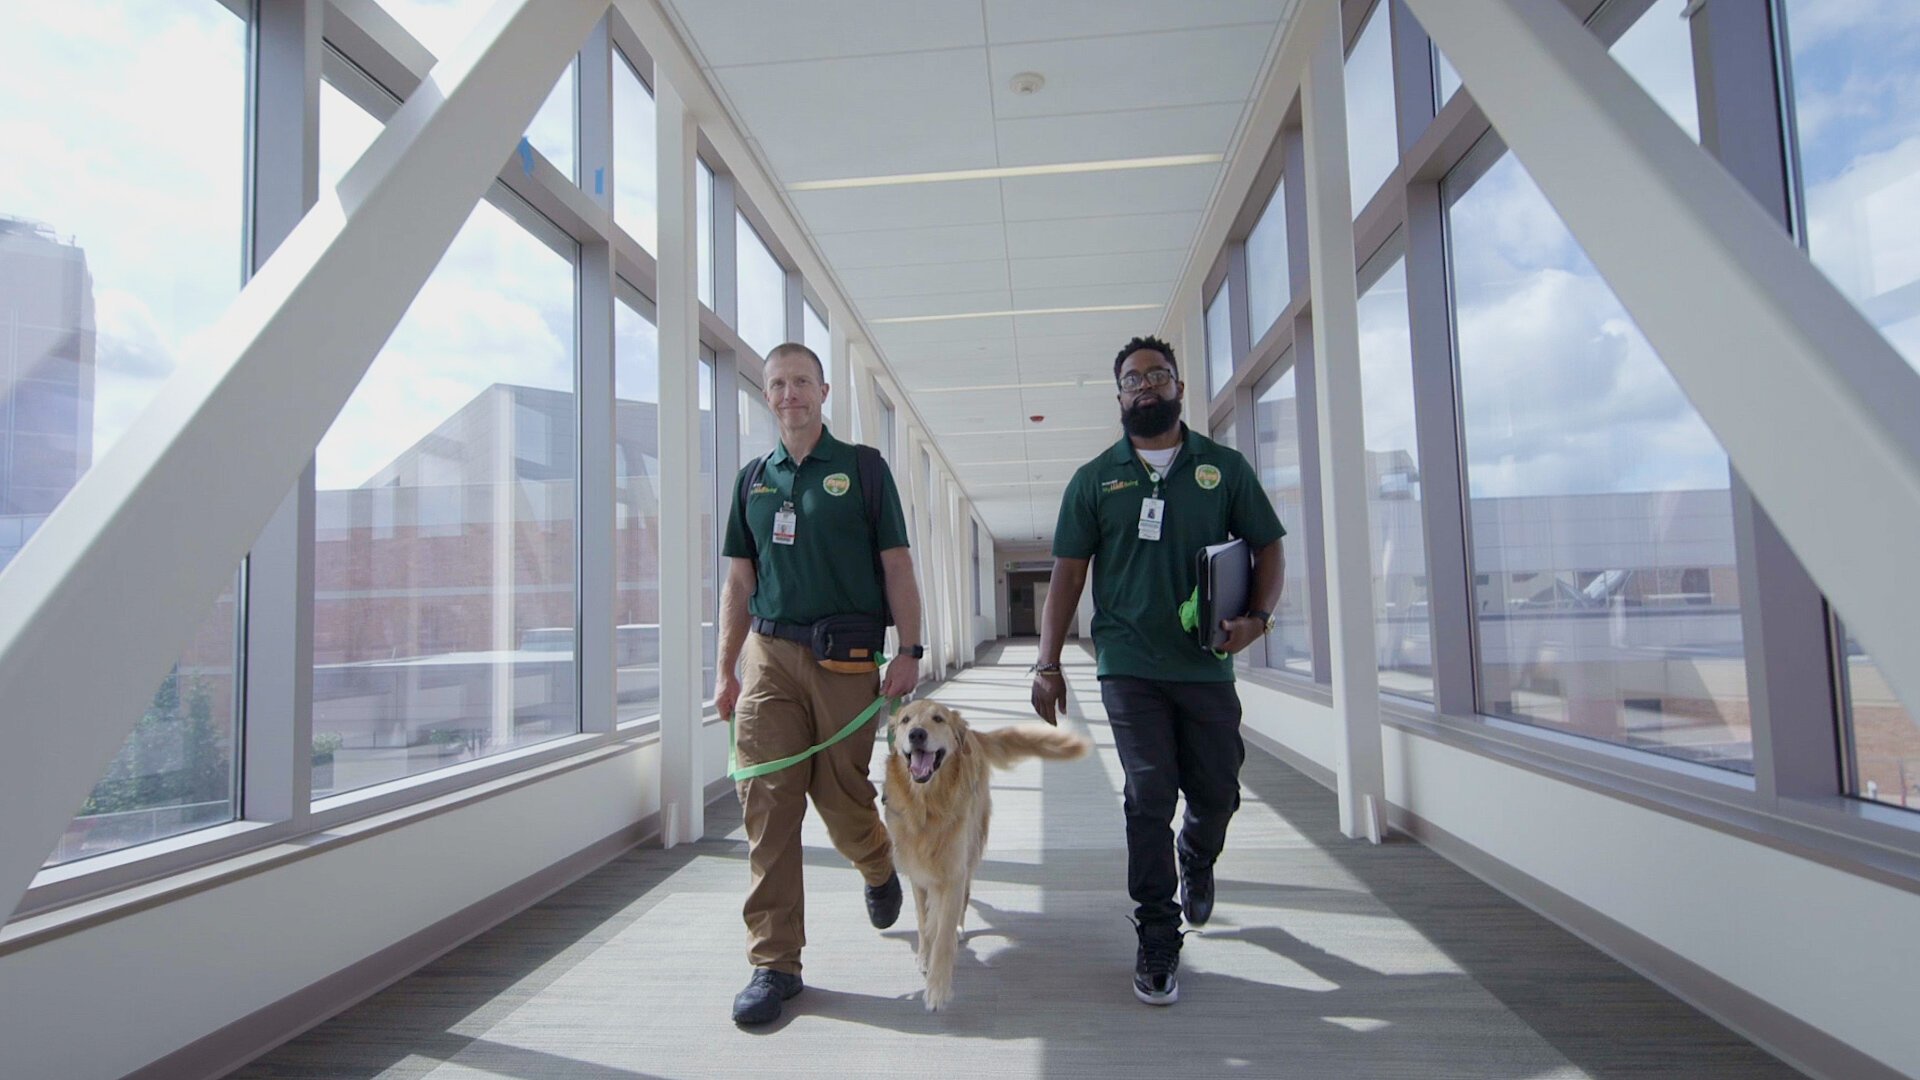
(760, 1002)
(883, 902)
(1196, 891)
(1155, 965)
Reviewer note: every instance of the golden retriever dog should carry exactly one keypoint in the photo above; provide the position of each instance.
(938, 806)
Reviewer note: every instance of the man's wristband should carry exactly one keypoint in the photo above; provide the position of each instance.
(1046, 669)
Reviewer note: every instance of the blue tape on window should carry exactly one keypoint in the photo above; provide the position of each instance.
(599, 181)
(526, 155)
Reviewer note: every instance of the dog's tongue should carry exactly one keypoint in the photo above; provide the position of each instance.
(920, 764)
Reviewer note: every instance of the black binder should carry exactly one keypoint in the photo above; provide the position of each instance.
(1225, 573)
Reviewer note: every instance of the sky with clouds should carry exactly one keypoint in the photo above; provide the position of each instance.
(1562, 394)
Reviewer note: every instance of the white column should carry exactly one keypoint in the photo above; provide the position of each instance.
(595, 513)
(1336, 350)
(682, 790)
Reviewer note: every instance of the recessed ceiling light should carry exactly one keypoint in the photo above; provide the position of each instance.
(1009, 172)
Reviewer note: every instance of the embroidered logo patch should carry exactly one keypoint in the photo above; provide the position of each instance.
(837, 484)
(1112, 486)
(1207, 477)
(764, 489)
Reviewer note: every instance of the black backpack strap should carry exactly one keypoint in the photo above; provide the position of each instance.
(873, 488)
(749, 481)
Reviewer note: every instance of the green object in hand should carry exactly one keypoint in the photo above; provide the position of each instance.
(1190, 617)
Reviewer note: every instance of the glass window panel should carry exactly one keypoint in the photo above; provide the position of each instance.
(887, 433)
(763, 289)
(1219, 341)
(815, 337)
(440, 25)
(120, 243)
(1605, 588)
(759, 433)
(444, 533)
(703, 226)
(1276, 455)
(1657, 51)
(552, 130)
(1373, 143)
(636, 203)
(1446, 79)
(346, 130)
(1269, 288)
(1858, 140)
(1393, 489)
(636, 426)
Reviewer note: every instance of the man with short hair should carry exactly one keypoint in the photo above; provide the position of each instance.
(1140, 513)
(804, 545)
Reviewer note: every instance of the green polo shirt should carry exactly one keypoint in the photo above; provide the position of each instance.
(1212, 495)
(829, 568)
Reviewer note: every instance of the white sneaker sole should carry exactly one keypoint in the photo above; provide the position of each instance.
(1167, 998)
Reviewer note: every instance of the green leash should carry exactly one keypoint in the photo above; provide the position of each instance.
(737, 772)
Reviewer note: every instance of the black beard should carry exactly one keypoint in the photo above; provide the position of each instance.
(1151, 418)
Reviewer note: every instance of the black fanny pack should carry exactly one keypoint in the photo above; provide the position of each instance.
(849, 639)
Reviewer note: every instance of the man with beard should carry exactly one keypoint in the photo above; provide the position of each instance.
(1140, 512)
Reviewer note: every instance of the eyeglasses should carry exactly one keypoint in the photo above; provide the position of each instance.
(1134, 380)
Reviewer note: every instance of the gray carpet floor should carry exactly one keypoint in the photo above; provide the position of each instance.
(1325, 958)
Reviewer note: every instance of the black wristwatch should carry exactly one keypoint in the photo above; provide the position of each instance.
(915, 651)
(1265, 618)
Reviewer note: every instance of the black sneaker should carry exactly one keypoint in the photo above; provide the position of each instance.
(883, 902)
(760, 1002)
(1196, 891)
(1155, 965)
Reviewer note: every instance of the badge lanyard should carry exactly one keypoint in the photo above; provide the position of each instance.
(1153, 509)
(785, 524)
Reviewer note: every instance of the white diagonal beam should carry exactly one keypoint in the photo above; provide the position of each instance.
(1818, 412)
(93, 610)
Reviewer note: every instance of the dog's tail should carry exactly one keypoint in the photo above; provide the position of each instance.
(1008, 746)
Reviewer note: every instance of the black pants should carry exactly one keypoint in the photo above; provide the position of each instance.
(1173, 738)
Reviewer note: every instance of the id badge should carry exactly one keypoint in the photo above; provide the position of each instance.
(1152, 514)
(786, 524)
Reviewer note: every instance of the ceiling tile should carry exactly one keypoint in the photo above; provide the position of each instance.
(914, 247)
(754, 32)
(913, 335)
(1118, 325)
(903, 206)
(934, 114)
(951, 303)
(1023, 20)
(1069, 236)
(1119, 269)
(927, 279)
(1155, 293)
(1135, 191)
(1136, 133)
(1134, 71)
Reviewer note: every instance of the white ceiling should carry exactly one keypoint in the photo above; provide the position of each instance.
(836, 89)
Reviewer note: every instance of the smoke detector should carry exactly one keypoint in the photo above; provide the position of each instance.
(1027, 83)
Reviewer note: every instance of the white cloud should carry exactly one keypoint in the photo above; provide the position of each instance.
(126, 122)
(498, 309)
(1561, 392)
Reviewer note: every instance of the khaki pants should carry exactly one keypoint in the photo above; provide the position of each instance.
(788, 702)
